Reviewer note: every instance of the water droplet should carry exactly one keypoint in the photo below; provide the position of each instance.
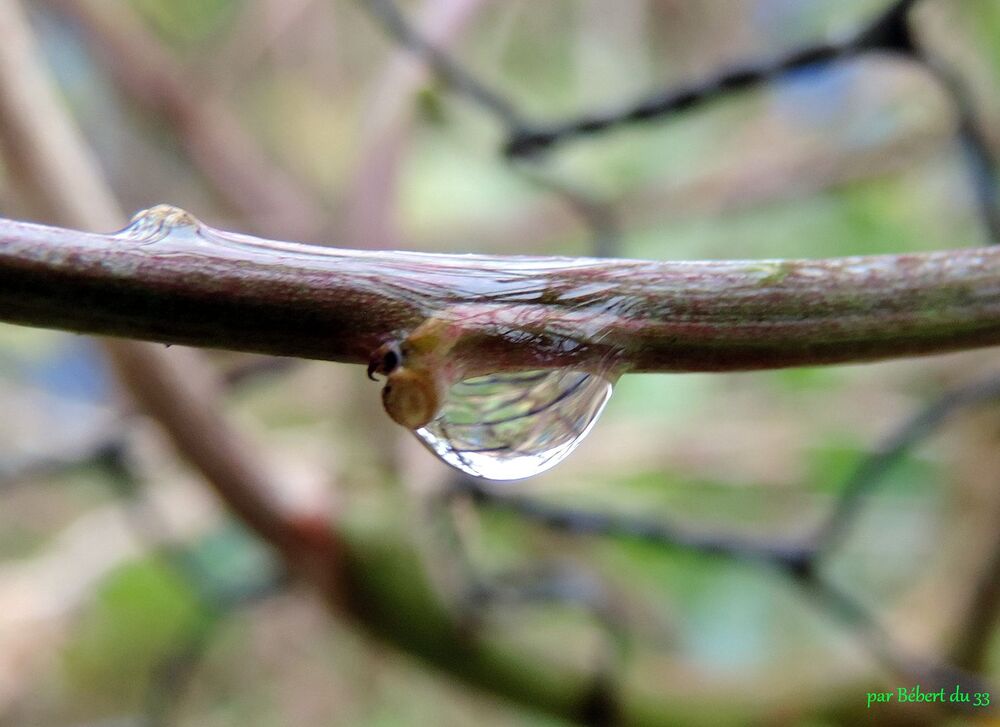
(158, 222)
(515, 425)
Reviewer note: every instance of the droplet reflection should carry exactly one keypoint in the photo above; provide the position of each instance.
(505, 426)
(156, 223)
(516, 425)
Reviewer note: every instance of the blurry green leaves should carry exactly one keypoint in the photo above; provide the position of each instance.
(144, 615)
(444, 183)
(186, 22)
(985, 25)
(152, 612)
(231, 565)
(535, 61)
(832, 464)
(666, 399)
(871, 217)
(431, 104)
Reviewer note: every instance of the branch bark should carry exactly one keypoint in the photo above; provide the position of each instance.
(203, 287)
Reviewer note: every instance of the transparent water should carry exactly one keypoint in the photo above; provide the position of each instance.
(515, 425)
(504, 426)
(157, 223)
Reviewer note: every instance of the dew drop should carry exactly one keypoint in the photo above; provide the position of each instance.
(515, 425)
(156, 223)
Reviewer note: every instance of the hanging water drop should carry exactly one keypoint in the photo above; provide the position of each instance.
(514, 425)
(156, 223)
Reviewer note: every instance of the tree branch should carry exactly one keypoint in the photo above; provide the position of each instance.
(203, 287)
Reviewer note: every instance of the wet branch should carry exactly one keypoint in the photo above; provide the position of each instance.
(369, 574)
(177, 388)
(215, 289)
(889, 32)
(157, 296)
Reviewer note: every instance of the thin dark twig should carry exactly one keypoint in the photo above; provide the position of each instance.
(797, 560)
(596, 215)
(980, 158)
(973, 642)
(457, 78)
(795, 556)
(862, 481)
(888, 31)
(893, 33)
(588, 522)
(930, 675)
(530, 141)
(896, 445)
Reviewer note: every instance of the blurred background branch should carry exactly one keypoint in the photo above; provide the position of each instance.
(270, 198)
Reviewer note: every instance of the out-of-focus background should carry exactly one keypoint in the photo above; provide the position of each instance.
(129, 596)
